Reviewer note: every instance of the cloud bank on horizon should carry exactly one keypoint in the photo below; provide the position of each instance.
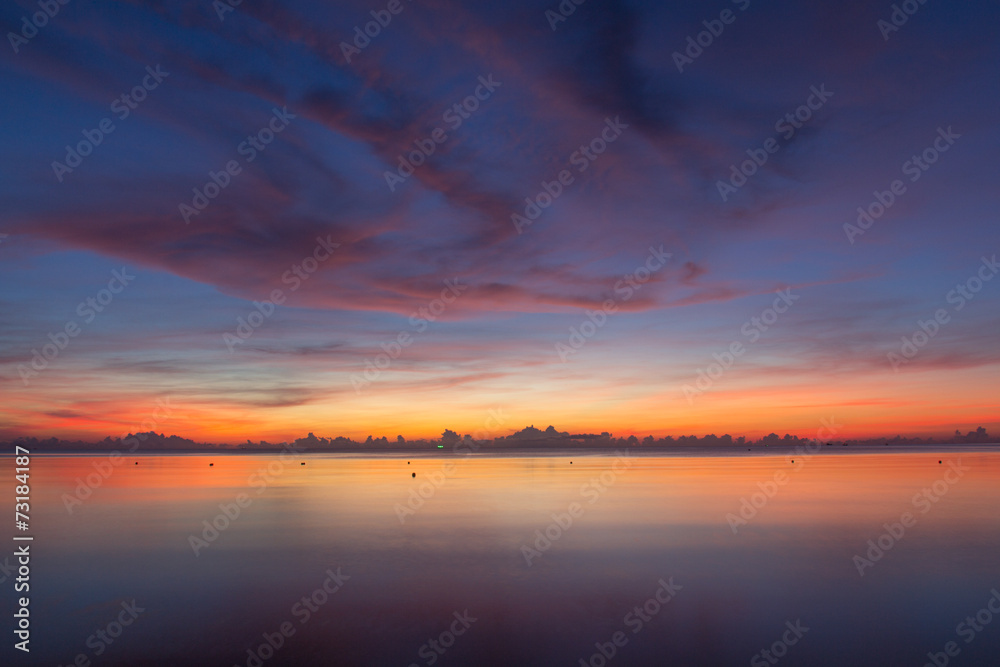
(387, 217)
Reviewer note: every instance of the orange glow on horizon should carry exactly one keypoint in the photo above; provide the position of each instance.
(861, 406)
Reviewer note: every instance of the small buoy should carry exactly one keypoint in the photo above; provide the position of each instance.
(939, 462)
(793, 460)
(414, 474)
(407, 463)
(211, 464)
(137, 463)
(571, 463)
(303, 463)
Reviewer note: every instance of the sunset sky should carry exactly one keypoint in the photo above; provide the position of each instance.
(381, 248)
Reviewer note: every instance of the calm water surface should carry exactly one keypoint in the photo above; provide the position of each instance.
(405, 571)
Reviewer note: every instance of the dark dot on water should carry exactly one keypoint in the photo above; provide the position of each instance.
(939, 462)
(793, 460)
(407, 463)
(137, 463)
(211, 464)
(303, 463)
(414, 474)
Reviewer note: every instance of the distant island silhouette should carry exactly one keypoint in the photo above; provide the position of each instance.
(528, 438)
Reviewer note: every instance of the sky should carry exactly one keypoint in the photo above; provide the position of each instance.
(635, 217)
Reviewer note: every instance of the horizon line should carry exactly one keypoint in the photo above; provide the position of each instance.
(527, 435)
